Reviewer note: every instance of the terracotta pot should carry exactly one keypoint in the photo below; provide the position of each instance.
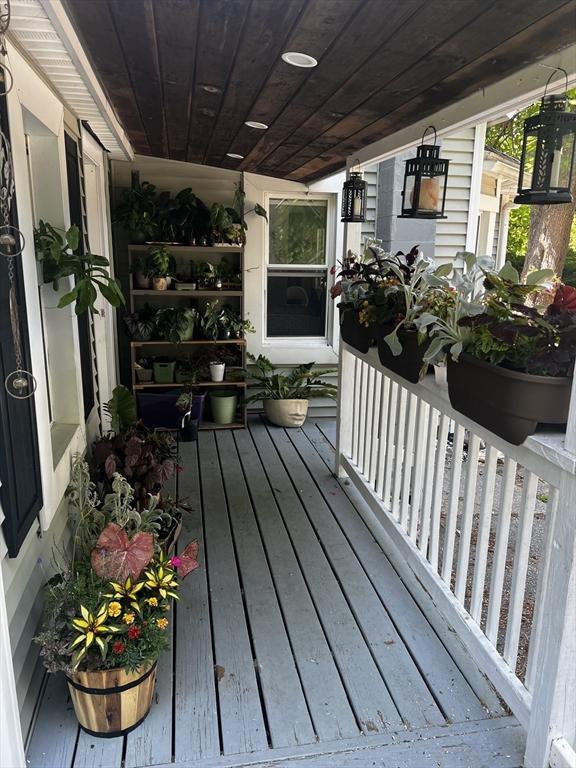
(112, 702)
(352, 332)
(160, 283)
(286, 413)
(410, 362)
(509, 403)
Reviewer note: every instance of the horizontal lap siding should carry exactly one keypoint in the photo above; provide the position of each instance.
(451, 232)
(370, 175)
(24, 577)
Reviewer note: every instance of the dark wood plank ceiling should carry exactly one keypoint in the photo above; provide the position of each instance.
(184, 75)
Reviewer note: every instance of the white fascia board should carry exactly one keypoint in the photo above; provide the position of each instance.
(66, 66)
(486, 105)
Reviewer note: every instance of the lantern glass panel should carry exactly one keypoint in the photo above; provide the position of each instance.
(530, 145)
(562, 162)
(409, 182)
(431, 194)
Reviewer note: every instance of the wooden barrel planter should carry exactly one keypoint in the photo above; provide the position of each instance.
(112, 702)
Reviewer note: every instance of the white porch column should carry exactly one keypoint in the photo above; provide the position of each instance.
(553, 712)
(12, 749)
(503, 233)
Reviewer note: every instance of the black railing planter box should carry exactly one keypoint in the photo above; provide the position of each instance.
(410, 362)
(352, 332)
(509, 403)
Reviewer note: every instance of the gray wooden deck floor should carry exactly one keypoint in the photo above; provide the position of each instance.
(296, 643)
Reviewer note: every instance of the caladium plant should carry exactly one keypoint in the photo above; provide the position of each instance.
(116, 557)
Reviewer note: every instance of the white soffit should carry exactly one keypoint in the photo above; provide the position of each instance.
(506, 96)
(43, 30)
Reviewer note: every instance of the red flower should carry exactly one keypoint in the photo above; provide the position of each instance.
(118, 646)
(564, 301)
(133, 632)
(175, 562)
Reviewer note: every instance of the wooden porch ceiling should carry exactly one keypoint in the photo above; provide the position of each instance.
(184, 75)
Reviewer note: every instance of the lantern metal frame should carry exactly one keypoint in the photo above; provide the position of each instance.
(549, 129)
(353, 191)
(427, 164)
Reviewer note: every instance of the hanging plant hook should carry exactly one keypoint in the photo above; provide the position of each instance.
(428, 128)
(556, 69)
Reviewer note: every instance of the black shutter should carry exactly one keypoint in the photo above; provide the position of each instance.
(84, 320)
(21, 489)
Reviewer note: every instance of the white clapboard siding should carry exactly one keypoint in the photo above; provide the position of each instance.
(451, 232)
(370, 174)
(24, 577)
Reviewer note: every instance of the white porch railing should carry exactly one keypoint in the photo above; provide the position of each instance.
(455, 507)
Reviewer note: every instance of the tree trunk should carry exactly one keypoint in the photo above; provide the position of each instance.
(549, 236)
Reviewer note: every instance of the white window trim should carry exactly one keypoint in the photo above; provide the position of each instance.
(297, 343)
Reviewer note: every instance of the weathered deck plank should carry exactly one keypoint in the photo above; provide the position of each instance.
(93, 752)
(451, 682)
(152, 742)
(497, 743)
(195, 708)
(325, 694)
(281, 687)
(401, 675)
(53, 740)
(368, 694)
(241, 717)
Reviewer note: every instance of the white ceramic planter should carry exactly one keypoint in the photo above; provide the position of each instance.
(217, 371)
(286, 413)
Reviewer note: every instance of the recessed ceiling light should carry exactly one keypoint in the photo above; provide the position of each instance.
(211, 88)
(299, 59)
(234, 156)
(254, 124)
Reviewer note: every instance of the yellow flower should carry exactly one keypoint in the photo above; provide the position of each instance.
(128, 618)
(152, 601)
(90, 628)
(162, 623)
(114, 609)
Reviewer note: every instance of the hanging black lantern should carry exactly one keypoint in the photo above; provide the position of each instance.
(547, 162)
(354, 199)
(424, 192)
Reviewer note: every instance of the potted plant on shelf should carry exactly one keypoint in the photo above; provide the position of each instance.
(137, 212)
(142, 269)
(176, 324)
(285, 396)
(61, 257)
(162, 267)
(142, 324)
(209, 320)
(517, 364)
(106, 613)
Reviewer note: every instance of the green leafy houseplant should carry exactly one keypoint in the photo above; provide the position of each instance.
(137, 212)
(142, 324)
(285, 395)
(301, 383)
(61, 257)
(175, 324)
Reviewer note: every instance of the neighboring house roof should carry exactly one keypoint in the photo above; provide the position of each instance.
(489, 153)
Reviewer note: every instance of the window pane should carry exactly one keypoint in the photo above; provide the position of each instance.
(296, 303)
(298, 231)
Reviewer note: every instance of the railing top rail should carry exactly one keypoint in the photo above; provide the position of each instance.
(543, 453)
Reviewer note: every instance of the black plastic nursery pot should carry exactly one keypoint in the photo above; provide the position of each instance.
(509, 403)
(353, 332)
(410, 362)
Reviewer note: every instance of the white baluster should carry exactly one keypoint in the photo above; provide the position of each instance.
(483, 537)
(369, 428)
(399, 463)
(419, 459)
(467, 516)
(437, 490)
(378, 386)
(501, 549)
(453, 503)
(383, 434)
(391, 430)
(426, 508)
(407, 469)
